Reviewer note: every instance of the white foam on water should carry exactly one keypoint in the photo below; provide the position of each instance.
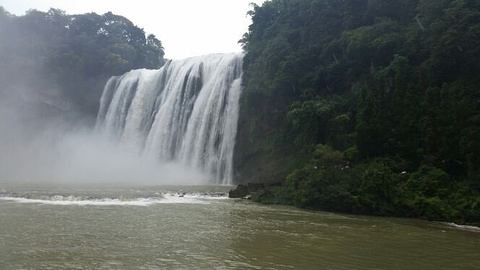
(176, 199)
(70, 200)
(463, 227)
(96, 202)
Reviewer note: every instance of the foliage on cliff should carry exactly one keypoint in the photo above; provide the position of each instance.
(389, 89)
(71, 55)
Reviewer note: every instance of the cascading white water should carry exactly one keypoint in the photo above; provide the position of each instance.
(187, 112)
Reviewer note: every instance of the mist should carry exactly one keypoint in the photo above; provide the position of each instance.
(49, 96)
(42, 144)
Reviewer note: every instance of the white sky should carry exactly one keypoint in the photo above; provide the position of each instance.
(185, 27)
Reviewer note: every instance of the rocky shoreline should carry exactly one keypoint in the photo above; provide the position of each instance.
(246, 191)
(255, 191)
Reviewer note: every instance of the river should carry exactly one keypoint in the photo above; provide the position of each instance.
(162, 227)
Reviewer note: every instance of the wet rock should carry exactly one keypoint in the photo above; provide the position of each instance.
(239, 192)
(246, 190)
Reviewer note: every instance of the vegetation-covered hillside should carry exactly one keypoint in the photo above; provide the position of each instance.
(64, 60)
(365, 106)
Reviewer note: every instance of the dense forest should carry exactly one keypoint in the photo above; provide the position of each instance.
(63, 61)
(365, 106)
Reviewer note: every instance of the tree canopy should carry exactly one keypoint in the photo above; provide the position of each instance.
(391, 85)
(75, 53)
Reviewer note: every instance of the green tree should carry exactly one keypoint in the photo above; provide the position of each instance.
(394, 84)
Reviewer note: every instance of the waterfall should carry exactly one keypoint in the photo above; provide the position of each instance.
(185, 112)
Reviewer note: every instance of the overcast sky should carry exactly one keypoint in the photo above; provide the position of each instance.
(185, 27)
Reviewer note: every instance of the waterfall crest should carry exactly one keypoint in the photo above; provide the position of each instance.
(185, 112)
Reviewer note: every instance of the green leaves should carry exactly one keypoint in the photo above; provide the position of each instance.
(73, 53)
(115, 64)
(394, 84)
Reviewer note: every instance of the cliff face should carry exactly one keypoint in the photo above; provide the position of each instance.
(262, 152)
